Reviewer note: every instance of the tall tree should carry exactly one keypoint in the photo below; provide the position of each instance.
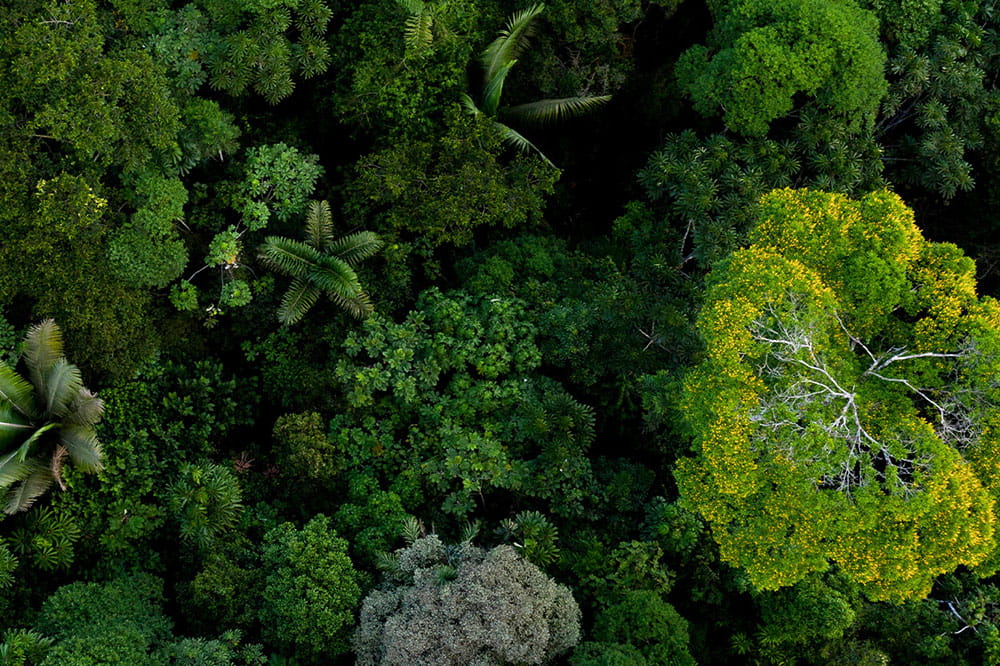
(844, 412)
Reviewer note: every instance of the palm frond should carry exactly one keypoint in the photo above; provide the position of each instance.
(13, 426)
(288, 256)
(63, 384)
(417, 36)
(335, 277)
(319, 225)
(43, 346)
(296, 302)
(13, 469)
(511, 42)
(24, 494)
(494, 89)
(550, 110)
(16, 391)
(56, 464)
(356, 247)
(515, 139)
(358, 306)
(469, 105)
(86, 409)
(83, 448)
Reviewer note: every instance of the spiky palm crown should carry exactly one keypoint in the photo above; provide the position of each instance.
(497, 61)
(44, 420)
(320, 264)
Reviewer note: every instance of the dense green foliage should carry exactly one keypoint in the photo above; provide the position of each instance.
(682, 312)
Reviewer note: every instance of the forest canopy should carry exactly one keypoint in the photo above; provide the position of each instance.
(450, 332)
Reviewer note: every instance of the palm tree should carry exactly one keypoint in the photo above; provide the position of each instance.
(320, 264)
(497, 60)
(44, 420)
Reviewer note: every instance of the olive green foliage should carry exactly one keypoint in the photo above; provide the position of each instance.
(206, 501)
(439, 190)
(805, 612)
(465, 605)
(453, 391)
(641, 629)
(148, 251)
(303, 449)
(763, 53)
(842, 411)
(45, 420)
(370, 519)
(320, 264)
(396, 61)
(311, 591)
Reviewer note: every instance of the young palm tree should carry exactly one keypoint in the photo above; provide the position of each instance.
(44, 420)
(497, 60)
(320, 264)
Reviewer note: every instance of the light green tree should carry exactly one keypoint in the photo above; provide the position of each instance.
(844, 413)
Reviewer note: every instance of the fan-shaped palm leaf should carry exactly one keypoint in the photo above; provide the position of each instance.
(43, 346)
(16, 392)
(319, 225)
(82, 446)
(86, 409)
(34, 485)
(494, 89)
(356, 247)
(297, 300)
(550, 110)
(62, 385)
(289, 256)
(511, 42)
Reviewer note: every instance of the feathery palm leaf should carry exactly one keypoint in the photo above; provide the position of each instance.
(470, 105)
(356, 247)
(297, 300)
(63, 384)
(357, 306)
(86, 409)
(517, 140)
(289, 256)
(38, 479)
(16, 391)
(494, 89)
(13, 426)
(550, 110)
(335, 277)
(43, 346)
(82, 446)
(319, 225)
(418, 35)
(511, 42)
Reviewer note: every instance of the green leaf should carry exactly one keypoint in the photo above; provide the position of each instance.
(12, 426)
(511, 41)
(21, 497)
(550, 110)
(16, 391)
(356, 247)
(515, 139)
(62, 385)
(319, 225)
(297, 300)
(494, 89)
(86, 409)
(83, 448)
(289, 256)
(43, 346)
(336, 277)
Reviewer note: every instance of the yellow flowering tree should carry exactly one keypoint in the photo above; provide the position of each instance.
(844, 411)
